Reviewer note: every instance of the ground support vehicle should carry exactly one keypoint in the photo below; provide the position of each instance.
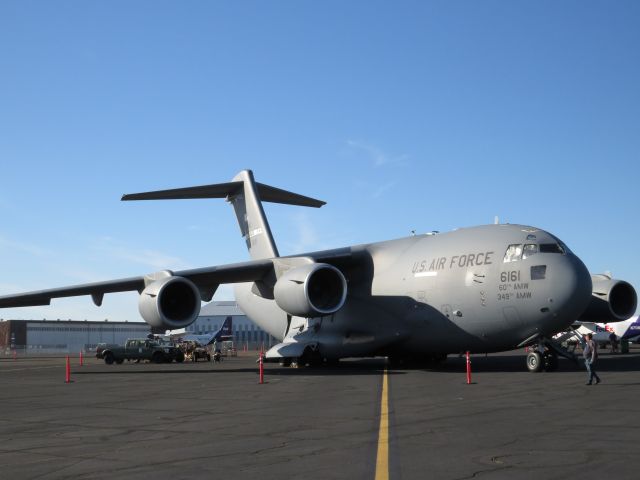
(193, 351)
(142, 349)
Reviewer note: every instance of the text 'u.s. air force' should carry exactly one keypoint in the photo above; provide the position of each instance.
(455, 261)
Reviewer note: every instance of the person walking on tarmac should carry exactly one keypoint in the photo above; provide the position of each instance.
(590, 354)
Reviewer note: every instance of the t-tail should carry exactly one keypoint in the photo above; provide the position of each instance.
(246, 196)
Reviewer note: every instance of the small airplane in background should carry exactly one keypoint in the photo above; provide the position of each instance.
(625, 330)
(481, 289)
(225, 332)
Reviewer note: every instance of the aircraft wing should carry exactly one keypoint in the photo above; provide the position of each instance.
(207, 278)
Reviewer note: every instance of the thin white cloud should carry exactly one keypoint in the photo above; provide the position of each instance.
(200, 228)
(376, 155)
(148, 257)
(305, 237)
(383, 188)
(375, 190)
(23, 247)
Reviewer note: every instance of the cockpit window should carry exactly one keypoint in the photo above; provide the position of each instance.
(530, 249)
(514, 253)
(551, 248)
(518, 251)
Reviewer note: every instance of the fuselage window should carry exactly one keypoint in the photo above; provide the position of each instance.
(530, 249)
(551, 248)
(538, 272)
(514, 253)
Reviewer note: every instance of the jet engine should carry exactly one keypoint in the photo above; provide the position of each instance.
(312, 290)
(170, 302)
(611, 300)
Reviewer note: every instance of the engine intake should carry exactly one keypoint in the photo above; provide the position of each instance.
(170, 302)
(312, 290)
(611, 300)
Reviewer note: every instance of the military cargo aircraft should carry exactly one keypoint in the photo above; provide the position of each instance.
(481, 289)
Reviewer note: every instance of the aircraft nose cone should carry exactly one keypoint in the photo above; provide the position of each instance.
(571, 289)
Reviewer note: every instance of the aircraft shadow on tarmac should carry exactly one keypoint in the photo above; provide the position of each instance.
(351, 368)
(516, 364)
(479, 363)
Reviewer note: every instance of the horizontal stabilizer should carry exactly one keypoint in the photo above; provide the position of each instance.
(277, 195)
(267, 193)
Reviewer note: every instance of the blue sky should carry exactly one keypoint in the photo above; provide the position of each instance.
(401, 115)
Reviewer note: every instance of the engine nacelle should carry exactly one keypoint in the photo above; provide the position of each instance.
(611, 300)
(170, 302)
(312, 290)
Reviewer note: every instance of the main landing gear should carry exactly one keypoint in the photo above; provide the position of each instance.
(310, 357)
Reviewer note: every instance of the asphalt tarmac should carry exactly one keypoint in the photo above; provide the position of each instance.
(206, 420)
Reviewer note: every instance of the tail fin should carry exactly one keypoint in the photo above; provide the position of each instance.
(227, 328)
(246, 195)
(632, 329)
(225, 332)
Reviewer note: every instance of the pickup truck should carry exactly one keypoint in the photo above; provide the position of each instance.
(142, 349)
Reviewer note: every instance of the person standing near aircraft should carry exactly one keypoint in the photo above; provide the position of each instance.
(613, 340)
(590, 354)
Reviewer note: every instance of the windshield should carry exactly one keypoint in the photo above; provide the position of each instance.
(518, 251)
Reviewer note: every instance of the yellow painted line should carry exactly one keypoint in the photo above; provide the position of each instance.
(382, 458)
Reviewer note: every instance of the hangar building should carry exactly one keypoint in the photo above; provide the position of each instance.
(245, 333)
(57, 336)
(66, 336)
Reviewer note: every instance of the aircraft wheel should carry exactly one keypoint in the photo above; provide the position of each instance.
(315, 359)
(108, 358)
(534, 362)
(180, 357)
(440, 358)
(550, 361)
(157, 357)
(303, 360)
(119, 361)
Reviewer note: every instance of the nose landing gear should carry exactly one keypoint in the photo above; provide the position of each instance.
(544, 356)
(538, 361)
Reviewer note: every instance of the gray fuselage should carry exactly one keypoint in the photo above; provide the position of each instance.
(482, 289)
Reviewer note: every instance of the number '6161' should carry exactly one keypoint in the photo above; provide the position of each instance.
(512, 276)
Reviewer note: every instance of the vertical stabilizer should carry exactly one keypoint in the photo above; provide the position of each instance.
(251, 218)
